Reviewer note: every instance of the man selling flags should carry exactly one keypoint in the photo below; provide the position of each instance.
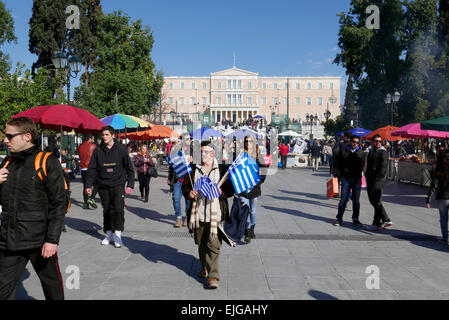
(207, 210)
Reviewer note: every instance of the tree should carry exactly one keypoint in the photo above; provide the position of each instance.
(20, 92)
(124, 79)
(350, 110)
(332, 127)
(6, 35)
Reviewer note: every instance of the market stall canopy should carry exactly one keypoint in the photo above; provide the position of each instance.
(438, 124)
(385, 133)
(242, 133)
(63, 118)
(156, 132)
(259, 117)
(204, 133)
(356, 131)
(290, 133)
(414, 131)
(121, 121)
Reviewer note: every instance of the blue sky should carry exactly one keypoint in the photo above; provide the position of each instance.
(197, 37)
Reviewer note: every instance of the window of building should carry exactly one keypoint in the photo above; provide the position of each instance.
(219, 100)
(240, 84)
(204, 85)
(239, 99)
(193, 85)
(275, 100)
(219, 85)
(297, 85)
(309, 85)
(204, 100)
(309, 101)
(229, 84)
(229, 99)
(234, 84)
(297, 100)
(285, 100)
(170, 100)
(181, 101)
(170, 85)
(264, 101)
(192, 101)
(249, 101)
(234, 99)
(331, 85)
(320, 101)
(275, 85)
(249, 85)
(320, 85)
(264, 85)
(182, 85)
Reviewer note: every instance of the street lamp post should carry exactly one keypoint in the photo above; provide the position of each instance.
(72, 65)
(173, 113)
(391, 100)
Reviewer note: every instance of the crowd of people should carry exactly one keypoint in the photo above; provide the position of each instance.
(31, 226)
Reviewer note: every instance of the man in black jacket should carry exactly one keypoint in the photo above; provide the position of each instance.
(350, 161)
(33, 213)
(376, 174)
(112, 168)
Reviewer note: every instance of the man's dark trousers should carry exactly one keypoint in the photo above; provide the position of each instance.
(374, 190)
(284, 161)
(113, 199)
(94, 191)
(346, 185)
(12, 265)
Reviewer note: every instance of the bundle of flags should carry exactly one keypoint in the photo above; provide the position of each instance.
(207, 188)
(180, 164)
(244, 173)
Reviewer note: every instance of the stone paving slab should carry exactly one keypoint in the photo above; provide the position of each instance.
(298, 253)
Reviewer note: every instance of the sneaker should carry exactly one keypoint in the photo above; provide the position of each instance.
(108, 238)
(178, 223)
(357, 223)
(117, 239)
(91, 203)
(338, 222)
(386, 224)
(212, 283)
(86, 205)
(184, 223)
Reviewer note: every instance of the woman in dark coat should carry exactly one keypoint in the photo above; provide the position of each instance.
(142, 161)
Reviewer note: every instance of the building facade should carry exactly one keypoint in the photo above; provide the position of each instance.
(237, 95)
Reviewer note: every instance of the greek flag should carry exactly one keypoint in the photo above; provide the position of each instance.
(207, 188)
(244, 173)
(180, 164)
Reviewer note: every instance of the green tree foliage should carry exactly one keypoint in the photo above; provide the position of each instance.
(332, 127)
(20, 91)
(6, 35)
(125, 79)
(350, 110)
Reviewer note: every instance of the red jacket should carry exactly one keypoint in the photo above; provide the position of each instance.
(284, 150)
(85, 152)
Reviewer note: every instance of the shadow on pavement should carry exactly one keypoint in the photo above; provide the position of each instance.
(319, 295)
(155, 253)
(305, 194)
(151, 214)
(22, 294)
(85, 226)
(317, 203)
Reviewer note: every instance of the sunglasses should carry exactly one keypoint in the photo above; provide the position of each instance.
(377, 141)
(353, 141)
(10, 136)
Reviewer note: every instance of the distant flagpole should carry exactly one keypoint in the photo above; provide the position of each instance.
(234, 58)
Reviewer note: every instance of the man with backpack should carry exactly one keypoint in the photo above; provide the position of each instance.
(34, 203)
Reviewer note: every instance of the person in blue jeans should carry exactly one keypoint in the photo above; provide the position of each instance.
(175, 184)
(440, 186)
(250, 199)
(351, 161)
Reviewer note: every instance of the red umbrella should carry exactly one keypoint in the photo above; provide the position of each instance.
(63, 118)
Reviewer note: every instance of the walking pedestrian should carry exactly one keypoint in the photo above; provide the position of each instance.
(205, 215)
(351, 161)
(175, 183)
(31, 226)
(327, 151)
(251, 198)
(142, 161)
(315, 153)
(376, 175)
(440, 186)
(85, 151)
(112, 168)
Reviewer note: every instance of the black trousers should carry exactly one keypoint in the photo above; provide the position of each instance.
(113, 200)
(94, 189)
(144, 184)
(374, 190)
(284, 161)
(12, 265)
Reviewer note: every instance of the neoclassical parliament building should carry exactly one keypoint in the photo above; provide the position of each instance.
(236, 95)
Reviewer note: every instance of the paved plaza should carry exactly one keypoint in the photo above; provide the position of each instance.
(298, 253)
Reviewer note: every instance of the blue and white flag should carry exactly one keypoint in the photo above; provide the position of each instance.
(180, 164)
(207, 188)
(244, 173)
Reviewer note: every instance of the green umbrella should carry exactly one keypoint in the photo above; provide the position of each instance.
(439, 124)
